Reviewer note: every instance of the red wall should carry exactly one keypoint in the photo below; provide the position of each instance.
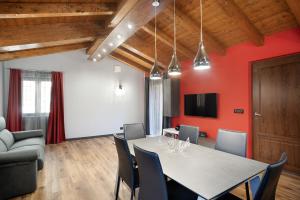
(230, 77)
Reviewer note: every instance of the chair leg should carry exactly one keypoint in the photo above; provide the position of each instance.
(132, 194)
(247, 190)
(117, 187)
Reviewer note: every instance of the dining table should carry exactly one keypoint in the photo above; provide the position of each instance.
(207, 172)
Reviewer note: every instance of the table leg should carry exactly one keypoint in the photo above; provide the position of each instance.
(247, 190)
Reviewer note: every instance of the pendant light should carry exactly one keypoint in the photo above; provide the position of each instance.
(155, 73)
(201, 61)
(174, 68)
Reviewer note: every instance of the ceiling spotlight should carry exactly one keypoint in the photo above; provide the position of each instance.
(155, 3)
(99, 55)
(119, 36)
(130, 26)
(104, 50)
(111, 44)
(94, 60)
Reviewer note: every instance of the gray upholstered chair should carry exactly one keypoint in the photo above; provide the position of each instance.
(21, 155)
(134, 131)
(191, 132)
(233, 142)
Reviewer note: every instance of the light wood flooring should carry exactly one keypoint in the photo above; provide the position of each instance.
(86, 169)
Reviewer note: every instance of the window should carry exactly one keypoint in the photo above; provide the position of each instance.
(36, 93)
(45, 96)
(28, 98)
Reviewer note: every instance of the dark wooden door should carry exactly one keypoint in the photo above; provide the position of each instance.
(276, 110)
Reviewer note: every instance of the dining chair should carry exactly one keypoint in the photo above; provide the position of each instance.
(127, 171)
(233, 142)
(191, 132)
(134, 131)
(265, 189)
(153, 184)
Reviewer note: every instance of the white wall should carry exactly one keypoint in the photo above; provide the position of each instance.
(91, 105)
(1, 89)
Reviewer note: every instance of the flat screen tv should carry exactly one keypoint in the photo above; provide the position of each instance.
(203, 105)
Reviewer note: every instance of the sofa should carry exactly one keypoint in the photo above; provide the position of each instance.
(21, 156)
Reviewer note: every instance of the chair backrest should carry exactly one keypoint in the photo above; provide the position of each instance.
(134, 131)
(191, 132)
(268, 184)
(151, 177)
(6, 137)
(233, 142)
(126, 168)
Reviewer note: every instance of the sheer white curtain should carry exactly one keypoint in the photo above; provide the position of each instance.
(155, 107)
(36, 96)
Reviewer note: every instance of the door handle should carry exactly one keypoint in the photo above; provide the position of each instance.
(257, 114)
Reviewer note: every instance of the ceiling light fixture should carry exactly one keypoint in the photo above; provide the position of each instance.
(111, 44)
(104, 50)
(94, 60)
(130, 26)
(99, 55)
(155, 73)
(119, 36)
(155, 3)
(174, 68)
(201, 61)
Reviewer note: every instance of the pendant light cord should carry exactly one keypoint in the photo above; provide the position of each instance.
(201, 16)
(155, 50)
(175, 48)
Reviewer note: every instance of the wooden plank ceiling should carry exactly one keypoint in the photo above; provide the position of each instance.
(32, 27)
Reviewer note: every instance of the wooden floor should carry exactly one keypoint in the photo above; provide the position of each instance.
(86, 169)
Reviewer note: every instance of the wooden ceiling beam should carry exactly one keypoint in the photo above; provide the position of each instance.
(142, 54)
(294, 6)
(42, 51)
(129, 62)
(50, 32)
(167, 40)
(23, 47)
(38, 10)
(141, 13)
(123, 9)
(193, 27)
(238, 16)
(132, 57)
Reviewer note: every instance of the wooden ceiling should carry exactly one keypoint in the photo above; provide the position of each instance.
(32, 27)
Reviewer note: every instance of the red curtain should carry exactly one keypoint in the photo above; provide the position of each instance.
(56, 125)
(14, 107)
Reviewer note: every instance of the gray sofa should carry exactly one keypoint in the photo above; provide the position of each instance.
(21, 155)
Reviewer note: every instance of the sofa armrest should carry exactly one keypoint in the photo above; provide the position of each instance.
(18, 156)
(21, 135)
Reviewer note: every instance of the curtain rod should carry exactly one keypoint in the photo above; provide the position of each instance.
(30, 70)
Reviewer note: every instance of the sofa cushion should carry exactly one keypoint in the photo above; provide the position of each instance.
(2, 123)
(29, 142)
(38, 148)
(7, 138)
(2, 146)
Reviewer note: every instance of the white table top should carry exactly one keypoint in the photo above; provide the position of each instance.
(205, 171)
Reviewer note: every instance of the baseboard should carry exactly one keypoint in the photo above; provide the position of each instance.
(89, 137)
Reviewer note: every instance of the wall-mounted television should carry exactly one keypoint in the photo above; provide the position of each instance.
(203, 105)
